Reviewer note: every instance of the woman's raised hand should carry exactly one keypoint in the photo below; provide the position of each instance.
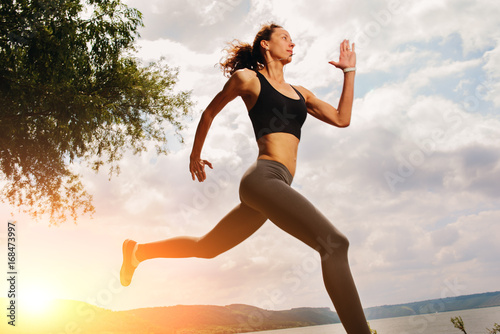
(197, 168)
(347, 56)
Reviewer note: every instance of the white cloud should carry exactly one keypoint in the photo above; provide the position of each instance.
(440, 70)
(491, 85)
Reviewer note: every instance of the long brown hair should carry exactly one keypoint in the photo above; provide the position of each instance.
(243, 55)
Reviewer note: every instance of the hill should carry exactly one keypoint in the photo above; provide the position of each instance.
(66, 316)
(232, 318)
(466, 302)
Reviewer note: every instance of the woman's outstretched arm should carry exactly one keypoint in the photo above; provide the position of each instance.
(340, 116)
(232, 89)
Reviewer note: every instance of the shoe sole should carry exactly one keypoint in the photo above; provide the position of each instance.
(128, 246)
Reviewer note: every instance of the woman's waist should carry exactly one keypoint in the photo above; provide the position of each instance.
(280, 147)
(289, 165)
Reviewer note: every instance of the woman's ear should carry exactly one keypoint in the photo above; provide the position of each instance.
(265, 44)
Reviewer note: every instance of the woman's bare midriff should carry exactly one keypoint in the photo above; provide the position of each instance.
(281, 147)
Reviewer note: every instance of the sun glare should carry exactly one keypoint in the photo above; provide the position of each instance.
(34, 300)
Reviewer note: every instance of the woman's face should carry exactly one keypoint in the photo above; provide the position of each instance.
(280, 45)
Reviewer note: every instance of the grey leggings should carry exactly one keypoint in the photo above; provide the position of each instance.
(265, 188)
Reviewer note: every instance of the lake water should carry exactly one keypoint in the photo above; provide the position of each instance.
(476, 321)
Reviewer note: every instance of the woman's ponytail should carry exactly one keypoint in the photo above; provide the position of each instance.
(239, 55)
(243, 55)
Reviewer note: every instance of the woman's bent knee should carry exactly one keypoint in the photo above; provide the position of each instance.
(205, 250)
(333, 244)
(208, 255)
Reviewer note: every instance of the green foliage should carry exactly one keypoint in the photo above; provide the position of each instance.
(372, 331)
(458, 323)
(494, 330)
(71, 92)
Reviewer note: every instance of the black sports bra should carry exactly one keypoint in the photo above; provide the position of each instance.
(274, 112)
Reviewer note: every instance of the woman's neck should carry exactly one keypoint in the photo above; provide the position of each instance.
(274, 71)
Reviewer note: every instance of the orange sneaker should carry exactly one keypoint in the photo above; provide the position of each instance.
(128, 267)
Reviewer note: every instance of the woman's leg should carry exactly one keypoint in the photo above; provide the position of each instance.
(294, 214)
(236, 226)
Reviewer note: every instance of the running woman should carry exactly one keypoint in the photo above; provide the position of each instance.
(277, 111)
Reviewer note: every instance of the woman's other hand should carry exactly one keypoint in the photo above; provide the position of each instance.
(197, 168)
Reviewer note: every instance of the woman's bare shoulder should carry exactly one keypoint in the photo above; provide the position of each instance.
(245, 74)
(245, 78)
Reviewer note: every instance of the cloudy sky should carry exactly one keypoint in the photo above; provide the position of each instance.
(414, 182)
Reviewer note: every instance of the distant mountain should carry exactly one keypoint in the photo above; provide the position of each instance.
(481, 300)
(66, 316)
(232, 318)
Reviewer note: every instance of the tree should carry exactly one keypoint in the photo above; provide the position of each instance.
(71, 92)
